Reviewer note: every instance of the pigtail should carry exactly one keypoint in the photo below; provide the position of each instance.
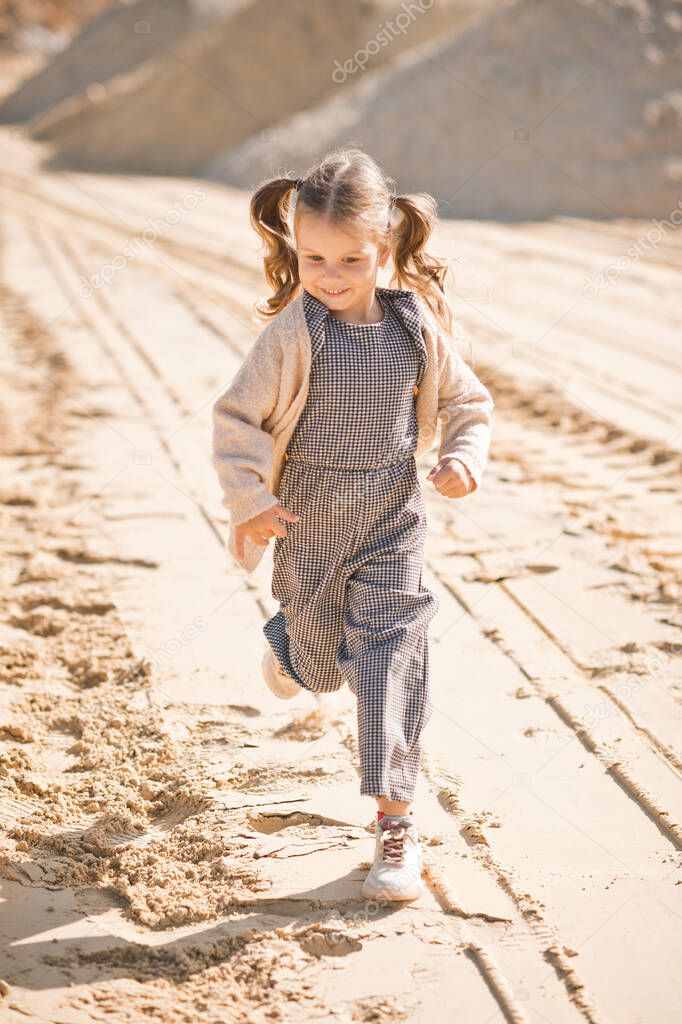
(269, 210)
(414, 267)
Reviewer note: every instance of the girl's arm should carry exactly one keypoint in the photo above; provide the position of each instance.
(465, 407)
(242, 449)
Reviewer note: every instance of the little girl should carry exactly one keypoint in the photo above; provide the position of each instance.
(319, 430)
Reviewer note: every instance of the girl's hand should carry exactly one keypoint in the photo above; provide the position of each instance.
(451, 478)
(262, 527)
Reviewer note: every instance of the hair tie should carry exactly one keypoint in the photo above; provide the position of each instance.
(298, 183)
(395, 214)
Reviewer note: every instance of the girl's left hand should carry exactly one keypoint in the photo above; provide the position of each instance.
(451, 478)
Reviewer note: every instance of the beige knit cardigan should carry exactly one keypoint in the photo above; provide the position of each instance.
(255, 417)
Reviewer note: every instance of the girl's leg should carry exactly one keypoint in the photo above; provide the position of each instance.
(393, 806)
(384, 653)
(385, 659)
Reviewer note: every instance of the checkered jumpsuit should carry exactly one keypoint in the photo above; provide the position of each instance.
(348, 575)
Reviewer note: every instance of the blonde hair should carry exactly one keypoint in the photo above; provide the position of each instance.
(346, 186)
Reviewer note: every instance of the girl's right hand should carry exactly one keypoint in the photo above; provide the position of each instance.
(262, 527)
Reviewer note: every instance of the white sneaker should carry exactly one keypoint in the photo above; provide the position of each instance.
(397, 868)
(277, 679)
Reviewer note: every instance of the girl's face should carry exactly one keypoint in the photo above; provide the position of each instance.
(336, 265)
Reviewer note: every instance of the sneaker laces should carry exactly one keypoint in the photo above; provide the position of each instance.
(393, 840)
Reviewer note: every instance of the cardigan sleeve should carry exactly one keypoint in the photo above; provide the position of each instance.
(242, 447)
(465, 407)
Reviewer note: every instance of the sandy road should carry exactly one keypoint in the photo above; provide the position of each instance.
(193, 845)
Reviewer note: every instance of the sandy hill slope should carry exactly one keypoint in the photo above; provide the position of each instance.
(581, 99)
(118, 40)
(234, 80)
(26, 22)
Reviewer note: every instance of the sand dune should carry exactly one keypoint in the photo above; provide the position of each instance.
(219, 87)
(44, 24)
(581, 99)
(118, 40)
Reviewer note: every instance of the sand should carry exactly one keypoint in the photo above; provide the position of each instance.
(176, 841)
(222, 85)
(118, 40)
(582, 99)
(44, 24)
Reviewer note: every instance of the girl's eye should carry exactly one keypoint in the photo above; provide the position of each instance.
(349, 259)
